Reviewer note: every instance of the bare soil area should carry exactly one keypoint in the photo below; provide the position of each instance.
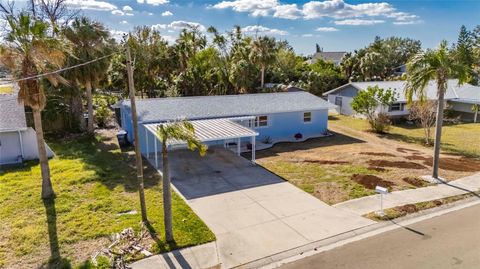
(350, 163)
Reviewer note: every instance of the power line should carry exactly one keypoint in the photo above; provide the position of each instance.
(59, 70)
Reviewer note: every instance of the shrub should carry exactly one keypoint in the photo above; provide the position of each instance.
(381, 123)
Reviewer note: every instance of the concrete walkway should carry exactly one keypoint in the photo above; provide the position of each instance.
(197, 257)
(253, 213)
(371, 203)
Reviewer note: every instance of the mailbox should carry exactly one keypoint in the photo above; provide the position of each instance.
(381, 190)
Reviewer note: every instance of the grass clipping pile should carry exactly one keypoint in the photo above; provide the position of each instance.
(124, 247)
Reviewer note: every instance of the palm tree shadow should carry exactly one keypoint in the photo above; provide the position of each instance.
(55, 260)
(168, 246)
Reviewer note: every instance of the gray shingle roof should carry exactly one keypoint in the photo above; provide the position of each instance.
(332, 56)
(12, 113)
(219, 106)
(454, 91)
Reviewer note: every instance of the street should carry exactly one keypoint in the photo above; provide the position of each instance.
(448, 241)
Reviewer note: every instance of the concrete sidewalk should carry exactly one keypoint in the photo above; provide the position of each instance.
(197, 257)
(371, 203)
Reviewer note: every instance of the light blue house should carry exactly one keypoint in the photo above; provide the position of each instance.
(240, 121)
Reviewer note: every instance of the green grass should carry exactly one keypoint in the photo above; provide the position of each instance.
(311, 177)
(459, 139)
(6, 89)
(94, 182)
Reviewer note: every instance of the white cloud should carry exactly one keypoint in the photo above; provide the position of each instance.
(91, 4)
(153, 2)
(178, 25)
(407, 22)
(127, 8)
(117, 34)
(253, 29)
(337, 9)
(170, 39)
(326, 29)
(118, 12)
(124, 22)
(287, 12)
(150, 14)
(307, 35)
(254, 7)
(167, 13)
(357, 22)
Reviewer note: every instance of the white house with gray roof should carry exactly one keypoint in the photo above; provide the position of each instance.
(460, 98)
(17, 141)
(241, 121)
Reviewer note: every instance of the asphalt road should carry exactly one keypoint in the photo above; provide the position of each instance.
(448, 241)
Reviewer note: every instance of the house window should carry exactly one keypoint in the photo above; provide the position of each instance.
(338, 100)
(261, 121)
(307, 117)
(396, 107)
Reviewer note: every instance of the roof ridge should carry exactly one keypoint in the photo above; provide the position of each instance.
(212, 96)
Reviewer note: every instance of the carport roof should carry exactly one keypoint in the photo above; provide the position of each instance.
(211, 130)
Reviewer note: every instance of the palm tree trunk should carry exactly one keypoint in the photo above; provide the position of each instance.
(438, 133)
(475, 116)
(88, 86)
(47, 189)
(167, 195)
(262, 74)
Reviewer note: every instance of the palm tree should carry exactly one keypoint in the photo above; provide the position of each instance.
(178, 130)
(439, 65)
(264, 54)
(91, 42)
(29, 50)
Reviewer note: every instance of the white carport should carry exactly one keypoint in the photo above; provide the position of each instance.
(207, 131)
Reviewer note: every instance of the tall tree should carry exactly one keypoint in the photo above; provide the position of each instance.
(28, 51)
(439, 65)
(91, 42)
(183, 131)
(263, 54)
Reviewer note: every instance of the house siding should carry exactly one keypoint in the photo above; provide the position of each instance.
(281, 126)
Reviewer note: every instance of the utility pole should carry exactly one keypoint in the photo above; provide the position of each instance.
(138, 154)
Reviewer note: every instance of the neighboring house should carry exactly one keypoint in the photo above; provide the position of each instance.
(17, 141)
(459, 98)
(328, 56)
(238, 120)
(400, 70)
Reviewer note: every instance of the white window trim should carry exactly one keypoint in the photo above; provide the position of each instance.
(303, 117)
(258, 118)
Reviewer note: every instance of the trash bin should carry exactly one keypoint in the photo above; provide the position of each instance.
(122, 138)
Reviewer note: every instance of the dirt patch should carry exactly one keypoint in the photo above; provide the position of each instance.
(407, 209)
(378, 169)
(462, 164)
(416, 158)
(379, 154)
(371, 181)
(330, 192)
(415, 181)
(396, 164)
(320, 161)
(405, 150)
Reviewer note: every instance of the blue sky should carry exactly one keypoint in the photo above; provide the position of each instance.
(336, 25)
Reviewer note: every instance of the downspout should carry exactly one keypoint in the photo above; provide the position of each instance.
(21, 144)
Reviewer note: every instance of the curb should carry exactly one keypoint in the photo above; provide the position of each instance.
(276, 260)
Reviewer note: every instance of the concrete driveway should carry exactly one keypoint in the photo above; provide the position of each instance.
(253, 213)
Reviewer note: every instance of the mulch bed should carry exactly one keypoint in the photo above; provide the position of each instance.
(405, 150)
(376, 168)
(408, 209)
(379, 154)
(397, 164)
(371, 181)
(415, 181)
(462, 164)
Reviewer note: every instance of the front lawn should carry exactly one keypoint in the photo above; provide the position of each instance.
(95, 185)
(461, 139)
